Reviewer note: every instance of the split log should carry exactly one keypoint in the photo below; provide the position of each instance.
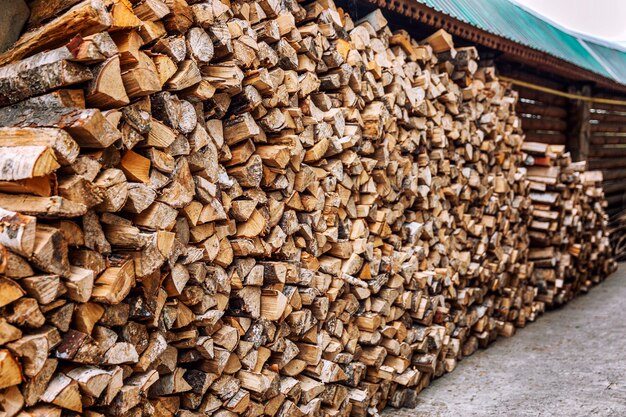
(30, 162)
(11, 374)
(88, 128)
(86, 18)
(39, 74)
(18, 232)
(64, 147)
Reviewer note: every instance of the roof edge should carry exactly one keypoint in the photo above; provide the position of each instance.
(511, 49)
(580, 35)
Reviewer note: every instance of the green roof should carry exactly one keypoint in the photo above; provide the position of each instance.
(614, 60)
(508, 20)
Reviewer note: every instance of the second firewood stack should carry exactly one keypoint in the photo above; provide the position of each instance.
(570, 246)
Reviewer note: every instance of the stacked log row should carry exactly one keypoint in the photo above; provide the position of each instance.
(594, 254)
(570, 245)
(265, 208)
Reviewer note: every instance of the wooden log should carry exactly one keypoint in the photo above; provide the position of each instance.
(613, 187)
(605, 163)
(549, 124)
(141, 78)
(115, 283)
(64, 392)
(545, 98)
(11, 291)
(45, 10)
(64, 147)
(18, 232)
(11, 374)
(607, 151)
(106, 90)
(552, 138)
(608, 117)
(607, 139)
(39, 74)
(613, 174)
(607, 127)
(541, 110)
(86, 18)
(45, 207)
(88, 128)
(43, 186)
(30, 161)
(50, 251)
(440, 41)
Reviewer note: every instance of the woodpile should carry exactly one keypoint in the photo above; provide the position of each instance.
(570, 245)
(251, 208)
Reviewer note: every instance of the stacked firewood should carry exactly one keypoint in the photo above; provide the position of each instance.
(570, 247)
(250, 208)
(593, 254)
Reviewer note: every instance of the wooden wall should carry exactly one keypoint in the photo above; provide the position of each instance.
(553, 119)
(544, 116)
(607, 151)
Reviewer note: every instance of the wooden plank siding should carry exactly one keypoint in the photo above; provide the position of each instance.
(544, 116)
(607, 150)
(593, 131)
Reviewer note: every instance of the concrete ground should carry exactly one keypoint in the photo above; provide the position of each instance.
(570, 363)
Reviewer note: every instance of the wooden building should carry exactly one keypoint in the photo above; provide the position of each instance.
(572, 88)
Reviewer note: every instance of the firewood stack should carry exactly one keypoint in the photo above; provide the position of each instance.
(262, 208)
(570, 247)
(594, 255)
